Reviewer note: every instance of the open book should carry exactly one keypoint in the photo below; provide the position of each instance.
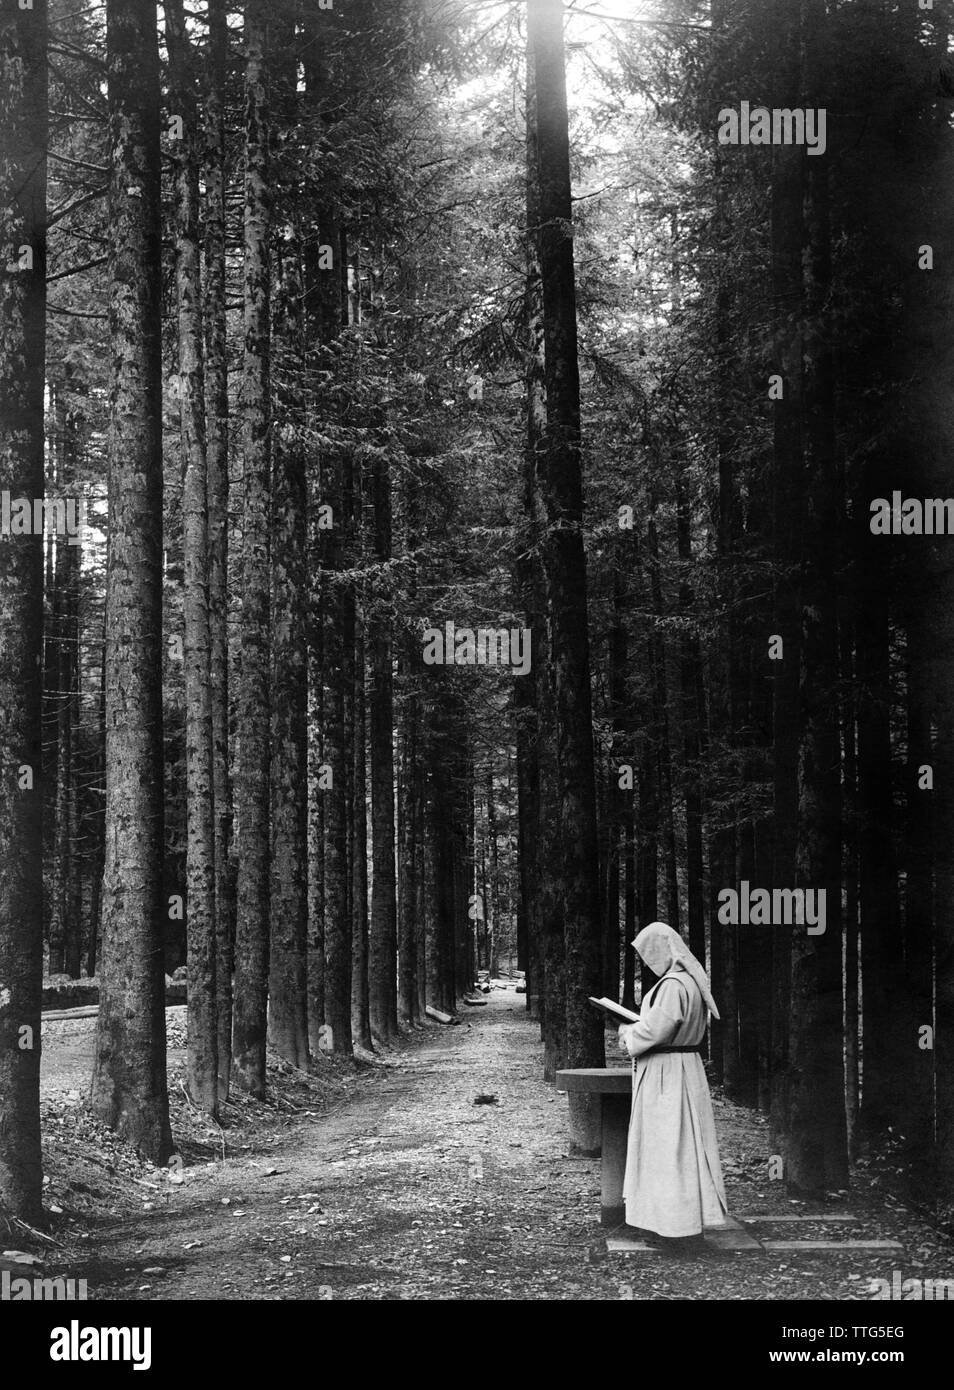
(616, 1011)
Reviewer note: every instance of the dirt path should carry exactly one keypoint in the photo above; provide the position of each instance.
(410, 1190)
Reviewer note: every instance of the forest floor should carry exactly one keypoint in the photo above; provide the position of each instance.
(384, 1179)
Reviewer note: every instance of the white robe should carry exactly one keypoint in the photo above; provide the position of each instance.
(673, 1183)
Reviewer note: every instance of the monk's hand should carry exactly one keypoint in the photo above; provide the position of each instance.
(621, 1034)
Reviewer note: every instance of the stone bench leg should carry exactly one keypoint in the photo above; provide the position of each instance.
(615, 1132)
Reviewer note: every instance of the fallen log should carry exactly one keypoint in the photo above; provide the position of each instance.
(438, 1016)
(175, 994)
(58, 1015)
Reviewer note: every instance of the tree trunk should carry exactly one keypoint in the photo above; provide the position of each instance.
(661, 724)
(552, 944)
(339, 660)
(361, 1022)
(23, 119)
(852, 897)
(411, 934)
(630, 926)
(200, 843)
(788, 174)
(917, 154)
(129, 1078)
(918, 991)
(528, 812)
(421, 875)
(722, 843)
(694, 749)
(316, 803)
(884, 1099)
(493, 912)
(60, 675)
(943, 808)
(753, 968)
(410, 895)
(217, 490)
(440, 947)
(530, 691)
(383, 943)
(99, 852)
(647, 857)
(462, 822)
(68, 720)
(616, 799)
(249, 1024)
(73, 878)
(288, 935)
(816, 1138)
(564, 561)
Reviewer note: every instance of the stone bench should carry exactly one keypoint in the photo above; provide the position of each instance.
(614, 1086)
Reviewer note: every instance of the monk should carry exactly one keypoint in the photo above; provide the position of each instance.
(673, 1185)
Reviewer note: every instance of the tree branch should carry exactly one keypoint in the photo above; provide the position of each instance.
(69, 51)
(77, 163)
(75, 269)
(73, 313)
(65, 209)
